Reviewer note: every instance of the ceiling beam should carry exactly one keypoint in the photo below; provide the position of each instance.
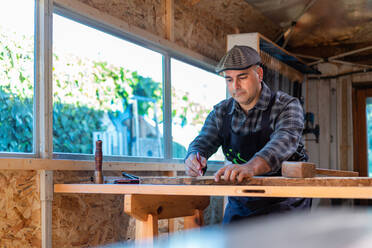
(307, 56)
(328, 51)
(289, 29)
(349, 63)
(350, 53)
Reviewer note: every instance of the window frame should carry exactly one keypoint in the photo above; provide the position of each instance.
(35, 128)
(43, 81)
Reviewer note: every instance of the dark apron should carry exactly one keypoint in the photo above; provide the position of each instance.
(240, 149)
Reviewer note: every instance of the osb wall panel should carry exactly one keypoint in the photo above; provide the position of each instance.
(239, 15)
(82, 220)
(145, 14)
(200, 26)
(20, 209)
(200, 30)
(203, 25)
(195, 29)
(85, 220)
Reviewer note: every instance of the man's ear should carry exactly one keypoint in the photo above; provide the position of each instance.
(259, 71)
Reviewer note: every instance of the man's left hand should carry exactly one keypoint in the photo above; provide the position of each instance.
(238, 172)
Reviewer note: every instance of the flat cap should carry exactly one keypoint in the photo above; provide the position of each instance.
(238, 58)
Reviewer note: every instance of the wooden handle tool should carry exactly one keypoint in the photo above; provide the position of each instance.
(308, 170)
(98, 176)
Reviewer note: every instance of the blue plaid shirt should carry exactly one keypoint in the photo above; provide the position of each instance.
(286, 119)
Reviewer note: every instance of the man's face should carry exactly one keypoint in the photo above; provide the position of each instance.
(244, 85)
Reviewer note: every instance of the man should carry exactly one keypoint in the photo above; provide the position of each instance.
(258, 130)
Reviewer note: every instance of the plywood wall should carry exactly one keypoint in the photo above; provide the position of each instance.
(201, 26)
(20, 208)
(82, 220)
(331, 102)
(194, 29)
(200, 30)
(145, 14)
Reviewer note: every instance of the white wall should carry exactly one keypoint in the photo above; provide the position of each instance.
(330, 99)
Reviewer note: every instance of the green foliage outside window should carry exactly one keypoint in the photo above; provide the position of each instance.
(83, 90)
(15, 122)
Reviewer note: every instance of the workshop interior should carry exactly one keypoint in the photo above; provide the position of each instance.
(100, 101)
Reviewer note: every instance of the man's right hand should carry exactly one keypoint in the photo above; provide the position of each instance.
(192, 165)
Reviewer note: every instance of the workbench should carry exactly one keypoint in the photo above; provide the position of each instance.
(181, 197)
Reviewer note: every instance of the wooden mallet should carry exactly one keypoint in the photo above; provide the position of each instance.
(308, 170)
(98, 176)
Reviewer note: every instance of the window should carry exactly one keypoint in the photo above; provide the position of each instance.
(105, 88)
(194, 93)
(17, 76)
(107, 84)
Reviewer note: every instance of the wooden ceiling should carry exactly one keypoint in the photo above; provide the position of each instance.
(318, 28)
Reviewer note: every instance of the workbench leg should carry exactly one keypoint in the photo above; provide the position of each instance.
(172, 221)
(171, 225)
(146, 230)
(148, 209)
(195, 221)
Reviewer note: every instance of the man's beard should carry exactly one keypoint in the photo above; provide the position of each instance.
(247, 101)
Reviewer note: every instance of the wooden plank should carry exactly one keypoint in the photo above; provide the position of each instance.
(339, 121)
(333, 161)
(312, 106)
(78, 165)
(344, 126)
(194, 221)
(336, 178)
(147, 230)
(349, 165)
(164, 207)
(360, 146)
(172, 221)
(264, 181)
(307, 170)
(324, 124)
(336, 173)
(349, 192)
(298, 169)
(169, 20)
(46, 198)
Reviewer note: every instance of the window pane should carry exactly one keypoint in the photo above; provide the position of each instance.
(194, 93)
(16, 75)
(105, 88)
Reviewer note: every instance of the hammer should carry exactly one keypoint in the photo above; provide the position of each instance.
(306, 170)
(98, 176)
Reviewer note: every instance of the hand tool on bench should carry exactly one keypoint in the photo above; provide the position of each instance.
(308, 170)
(98, 176)
(127, 179)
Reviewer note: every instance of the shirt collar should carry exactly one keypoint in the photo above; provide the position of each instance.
(262, 103)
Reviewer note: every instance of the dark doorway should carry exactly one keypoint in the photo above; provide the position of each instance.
(362, 132)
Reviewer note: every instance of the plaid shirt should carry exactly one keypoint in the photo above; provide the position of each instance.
(286, 119)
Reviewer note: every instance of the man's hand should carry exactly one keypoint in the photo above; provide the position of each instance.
(192, 165)
(237, 172)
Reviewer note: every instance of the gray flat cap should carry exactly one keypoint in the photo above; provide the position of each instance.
(238, 58)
